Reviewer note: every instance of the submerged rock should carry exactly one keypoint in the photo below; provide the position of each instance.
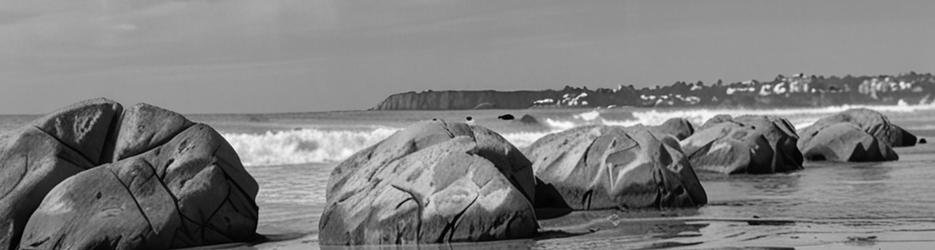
(680, 128)
(828, 140)
(429, 183)
(529, 120)
(154, 180)
(870, 121)
(845, 142)
(746, 144)
(602, 167)
(506, 117)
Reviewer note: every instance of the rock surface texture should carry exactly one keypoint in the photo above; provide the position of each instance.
(606, 167)
(429, 183)
(854, 135)
(140, 178)
(678, 127)
(746, 144)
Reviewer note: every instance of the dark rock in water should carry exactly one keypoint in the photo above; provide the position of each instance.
(827, 139)
(746, 144)
(466, 119)
(601, 167)
(872, 122)
(845, 142)
(429, 183)
(163, 182)
(529, 120)
(922, 141)
(678, 127)
(506, 117)
(715, 120)
(486, 105)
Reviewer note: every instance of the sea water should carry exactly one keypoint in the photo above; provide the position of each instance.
(827, 205)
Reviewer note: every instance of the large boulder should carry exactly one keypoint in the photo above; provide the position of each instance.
(35, 158)
(154, 180)
(605, 167)
(746, 144)
(680, 128)
(870, 121)
(429, 183)
(845, 142)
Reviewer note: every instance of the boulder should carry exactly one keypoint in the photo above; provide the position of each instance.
(529, 120)
(607, 167)
(845, 142)
(715, 120)
(35, 158)
(746, 144)
(432, 182)
(680, 128)
(506, 117)
(870, 121)
(149, 178)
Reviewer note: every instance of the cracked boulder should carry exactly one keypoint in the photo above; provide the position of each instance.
(157, 181)
(846, 142)
(608, 167)
(36, 157)
(818, 144)
(749, 144)
(432, 182)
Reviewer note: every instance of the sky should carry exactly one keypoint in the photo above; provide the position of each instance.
(259, 56)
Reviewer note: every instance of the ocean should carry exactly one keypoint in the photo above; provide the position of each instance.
(827, 205)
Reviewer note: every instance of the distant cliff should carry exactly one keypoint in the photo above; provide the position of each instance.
(796, 90)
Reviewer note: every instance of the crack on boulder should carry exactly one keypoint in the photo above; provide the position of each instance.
(231, 180)
(586, 199)
(420, 206)
(113, 133)
(93, 163)
(159, 144)
(445, 127)
(21, 177)
(138, 206)
(452, 225)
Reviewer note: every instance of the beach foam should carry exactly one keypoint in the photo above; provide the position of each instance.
(303, 145)
(800, 117)
(311, 145)
(322, 146)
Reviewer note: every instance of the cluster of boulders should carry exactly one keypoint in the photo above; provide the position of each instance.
(439, 181)
(854, 135)
(95, 175)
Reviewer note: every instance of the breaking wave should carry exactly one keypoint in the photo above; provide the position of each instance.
(322, 146)
(303, 145)
(334, 145)
(800, 117)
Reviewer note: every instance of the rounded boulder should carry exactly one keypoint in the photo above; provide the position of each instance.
(161, 182)
(432, 182)
(746, 144)
(872, 122)
(845, 142)
(608, 167)
(40, 155)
